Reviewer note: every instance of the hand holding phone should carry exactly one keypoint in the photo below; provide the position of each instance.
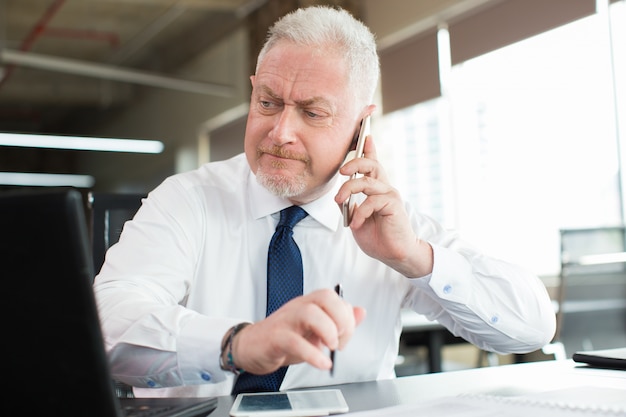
(349, 205)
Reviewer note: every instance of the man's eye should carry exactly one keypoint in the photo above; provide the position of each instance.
(266, 104)
(311, 114)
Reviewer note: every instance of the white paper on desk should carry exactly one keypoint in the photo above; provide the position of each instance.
(445, 407)
(579, 402)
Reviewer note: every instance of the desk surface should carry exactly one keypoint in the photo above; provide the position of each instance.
(505, 380)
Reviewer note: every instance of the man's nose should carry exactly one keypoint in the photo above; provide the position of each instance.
(286, 126)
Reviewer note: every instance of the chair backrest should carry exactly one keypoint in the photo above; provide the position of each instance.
(592, 290)
(108, 213)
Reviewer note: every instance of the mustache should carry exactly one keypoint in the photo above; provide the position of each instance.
(282, 153)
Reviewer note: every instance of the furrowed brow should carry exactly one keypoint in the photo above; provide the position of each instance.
(313, 101)
(265, 90)
(317, 102)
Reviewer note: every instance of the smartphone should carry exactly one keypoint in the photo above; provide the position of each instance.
(349, 205)
(289, 404)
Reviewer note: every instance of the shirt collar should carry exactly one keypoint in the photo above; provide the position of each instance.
(324, 210)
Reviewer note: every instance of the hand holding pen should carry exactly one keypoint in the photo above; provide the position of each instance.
(292, 334)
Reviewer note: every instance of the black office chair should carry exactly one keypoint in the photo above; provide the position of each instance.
(592, 290)
(108, 213)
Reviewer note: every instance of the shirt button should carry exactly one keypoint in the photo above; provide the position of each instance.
(447, 289)
(151, 384)
(206, 376)
(494, 319)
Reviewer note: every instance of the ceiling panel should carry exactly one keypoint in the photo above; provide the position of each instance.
(151, 36)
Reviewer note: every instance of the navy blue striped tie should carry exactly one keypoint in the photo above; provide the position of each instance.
(284, 282)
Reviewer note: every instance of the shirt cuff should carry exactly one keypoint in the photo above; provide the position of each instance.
(448, 281)
(199, 345)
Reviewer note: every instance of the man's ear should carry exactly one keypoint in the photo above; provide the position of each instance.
(369, 110)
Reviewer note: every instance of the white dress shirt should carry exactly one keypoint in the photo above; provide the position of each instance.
(192, 263)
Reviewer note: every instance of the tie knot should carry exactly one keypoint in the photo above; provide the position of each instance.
(291, 215)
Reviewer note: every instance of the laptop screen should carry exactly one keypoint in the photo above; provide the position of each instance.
(57, 359)
(54, 349)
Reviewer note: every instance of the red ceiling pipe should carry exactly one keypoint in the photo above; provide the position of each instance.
(41, 28)
(34, 33)
(112, 38)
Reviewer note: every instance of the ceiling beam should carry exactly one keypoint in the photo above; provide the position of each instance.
(236, 5)
(110, 72)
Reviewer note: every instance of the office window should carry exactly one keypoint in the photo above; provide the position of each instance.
(522, 142)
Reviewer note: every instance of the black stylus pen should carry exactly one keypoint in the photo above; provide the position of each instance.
(339, 291)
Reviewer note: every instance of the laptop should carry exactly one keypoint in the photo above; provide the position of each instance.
(55, 363)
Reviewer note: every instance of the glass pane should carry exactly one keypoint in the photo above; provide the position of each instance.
(522, 145)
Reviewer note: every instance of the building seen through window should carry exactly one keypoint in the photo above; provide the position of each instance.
(523, 142)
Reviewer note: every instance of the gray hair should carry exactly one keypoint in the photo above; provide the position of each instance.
(335, 29)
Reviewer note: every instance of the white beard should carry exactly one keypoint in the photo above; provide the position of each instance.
(281, 186)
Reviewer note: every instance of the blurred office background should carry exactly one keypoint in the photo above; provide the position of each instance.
(504, 119)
